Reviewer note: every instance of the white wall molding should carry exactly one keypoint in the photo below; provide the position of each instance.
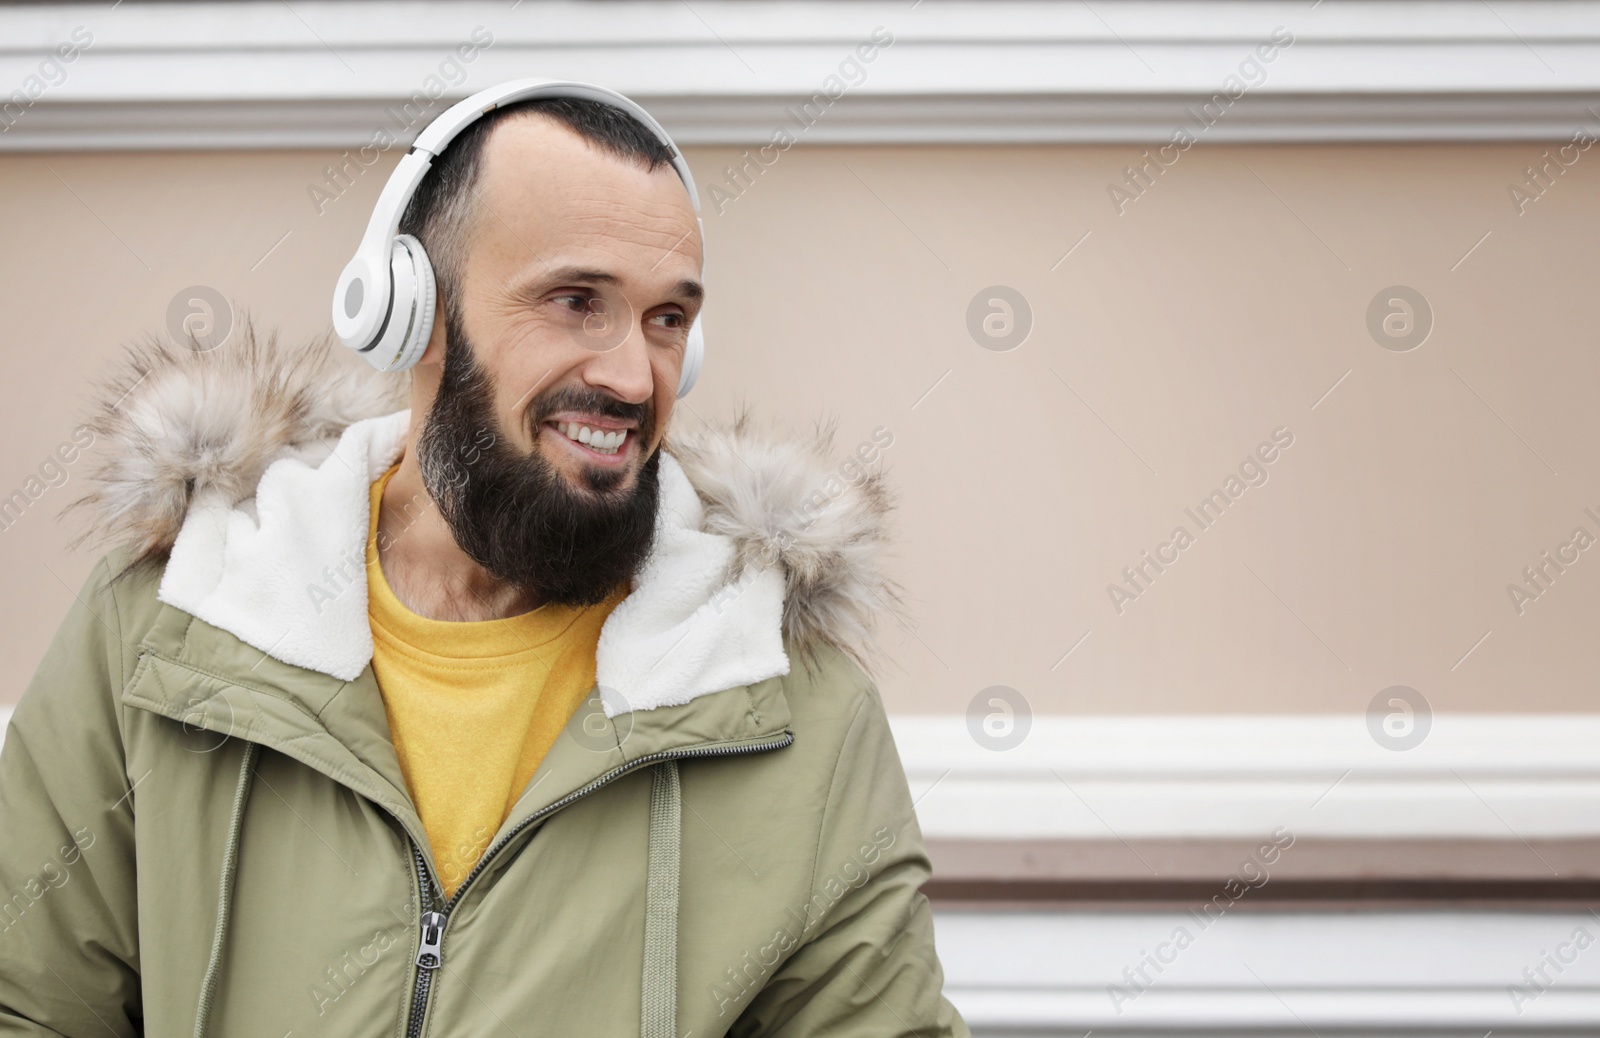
(1511, 777)
(320, 74)
(1369, 974)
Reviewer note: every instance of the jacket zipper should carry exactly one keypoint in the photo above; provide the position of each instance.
(430, 950)
(428, 957)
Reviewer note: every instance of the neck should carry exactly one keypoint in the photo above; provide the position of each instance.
(427, 571)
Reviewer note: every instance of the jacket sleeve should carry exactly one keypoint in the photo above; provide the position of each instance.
(868, 965)
(68, 931)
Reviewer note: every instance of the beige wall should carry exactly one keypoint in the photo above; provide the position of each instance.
(1220, 306)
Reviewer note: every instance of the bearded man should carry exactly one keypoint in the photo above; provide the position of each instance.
(479, 715)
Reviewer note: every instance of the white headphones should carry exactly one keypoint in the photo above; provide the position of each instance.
(383, 304)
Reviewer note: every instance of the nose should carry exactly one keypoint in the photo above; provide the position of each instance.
(624, 369)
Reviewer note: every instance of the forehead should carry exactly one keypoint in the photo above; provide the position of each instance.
(549, 193)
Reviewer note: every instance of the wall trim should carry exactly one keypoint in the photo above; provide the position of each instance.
(1310, 873)
(1119, 779)
(1357, 975)
(224, 75)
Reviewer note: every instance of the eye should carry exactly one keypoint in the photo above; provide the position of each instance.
(582, 301)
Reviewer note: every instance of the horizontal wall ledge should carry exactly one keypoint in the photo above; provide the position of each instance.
(1438, 974)
(754, 122)
(1307, 873)
(1514, 778)
(326, 74)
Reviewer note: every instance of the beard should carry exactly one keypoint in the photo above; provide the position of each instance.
(514, 513)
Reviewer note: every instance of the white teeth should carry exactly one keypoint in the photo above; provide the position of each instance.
(594, 439)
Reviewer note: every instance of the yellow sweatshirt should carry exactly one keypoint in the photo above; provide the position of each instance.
(474, 707)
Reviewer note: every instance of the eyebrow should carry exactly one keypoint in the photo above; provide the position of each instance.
(688, 287)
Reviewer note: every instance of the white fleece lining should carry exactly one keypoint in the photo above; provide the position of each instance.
(251, 569)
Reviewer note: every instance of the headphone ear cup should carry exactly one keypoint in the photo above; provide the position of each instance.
(409, 321)
(694, 355)
(425, 296)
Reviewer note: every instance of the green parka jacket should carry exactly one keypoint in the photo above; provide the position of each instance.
(204, 829)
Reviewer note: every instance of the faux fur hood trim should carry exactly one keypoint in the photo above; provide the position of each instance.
(176, 427)
(785, 501)
(179, 425)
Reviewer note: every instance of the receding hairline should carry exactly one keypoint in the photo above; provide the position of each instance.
(515, 114)
(443, 213)
(481, 163)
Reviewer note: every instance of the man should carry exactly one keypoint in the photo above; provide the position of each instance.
(477, 716)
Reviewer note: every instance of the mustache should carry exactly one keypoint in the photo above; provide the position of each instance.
(572, 398)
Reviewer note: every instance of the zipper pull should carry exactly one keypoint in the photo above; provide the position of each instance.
(430, 954)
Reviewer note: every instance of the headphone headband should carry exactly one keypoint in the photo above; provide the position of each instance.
(390, 275)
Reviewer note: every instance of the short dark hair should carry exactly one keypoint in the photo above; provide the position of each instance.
(440, 212)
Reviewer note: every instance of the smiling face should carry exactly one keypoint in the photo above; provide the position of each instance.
(548, 384)
(579, 280)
